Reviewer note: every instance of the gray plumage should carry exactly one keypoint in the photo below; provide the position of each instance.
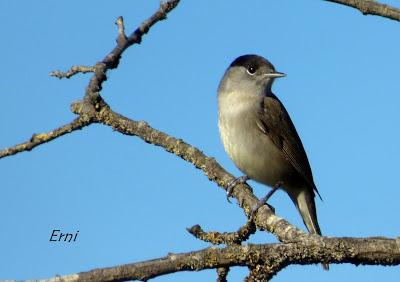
(259, 136)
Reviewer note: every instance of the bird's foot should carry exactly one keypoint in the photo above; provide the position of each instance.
(233, 183)
(265, 199)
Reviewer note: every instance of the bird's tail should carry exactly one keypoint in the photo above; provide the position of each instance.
(304, 201)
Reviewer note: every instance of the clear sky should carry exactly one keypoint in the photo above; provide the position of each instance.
(132, 201)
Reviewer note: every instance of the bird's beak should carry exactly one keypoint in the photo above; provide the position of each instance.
(275, 74)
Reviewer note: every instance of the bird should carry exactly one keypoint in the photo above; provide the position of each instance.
(260, 137)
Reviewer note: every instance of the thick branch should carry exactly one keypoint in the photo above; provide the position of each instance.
(265, 218)
(312, 250)
(371, 7)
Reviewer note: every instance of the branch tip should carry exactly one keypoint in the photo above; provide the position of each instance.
(41, 138)
(227, 238)
(121, 39)
(72, 71)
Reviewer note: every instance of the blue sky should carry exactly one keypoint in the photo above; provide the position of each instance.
(132, 201)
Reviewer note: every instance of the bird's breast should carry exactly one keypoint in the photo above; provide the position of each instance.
(251, 150)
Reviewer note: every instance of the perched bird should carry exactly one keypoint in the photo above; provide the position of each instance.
(259, 136)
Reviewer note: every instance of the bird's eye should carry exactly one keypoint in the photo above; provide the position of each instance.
(251, 70)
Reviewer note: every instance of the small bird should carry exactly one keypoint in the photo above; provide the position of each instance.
(259, 136)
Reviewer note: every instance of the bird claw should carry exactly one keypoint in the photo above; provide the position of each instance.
(263, 201)
(259, 205)
(233, 183)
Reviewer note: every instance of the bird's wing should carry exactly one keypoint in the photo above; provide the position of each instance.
(275, 122)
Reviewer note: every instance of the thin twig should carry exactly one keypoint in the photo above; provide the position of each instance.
(228, 238)
(72, 71)
(41, 138)
(112, 60)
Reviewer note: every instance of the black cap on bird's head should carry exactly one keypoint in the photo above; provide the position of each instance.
(255, 64)
(249, 74)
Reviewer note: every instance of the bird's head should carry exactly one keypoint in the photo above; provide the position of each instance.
(251, 73)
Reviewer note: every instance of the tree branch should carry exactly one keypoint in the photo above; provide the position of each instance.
(222, 274)
(74, 70)
(109, 62)
(217, 238)
(94, 109)
(266, 259)
(265, 218)
(371, 7)
(41, 138)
